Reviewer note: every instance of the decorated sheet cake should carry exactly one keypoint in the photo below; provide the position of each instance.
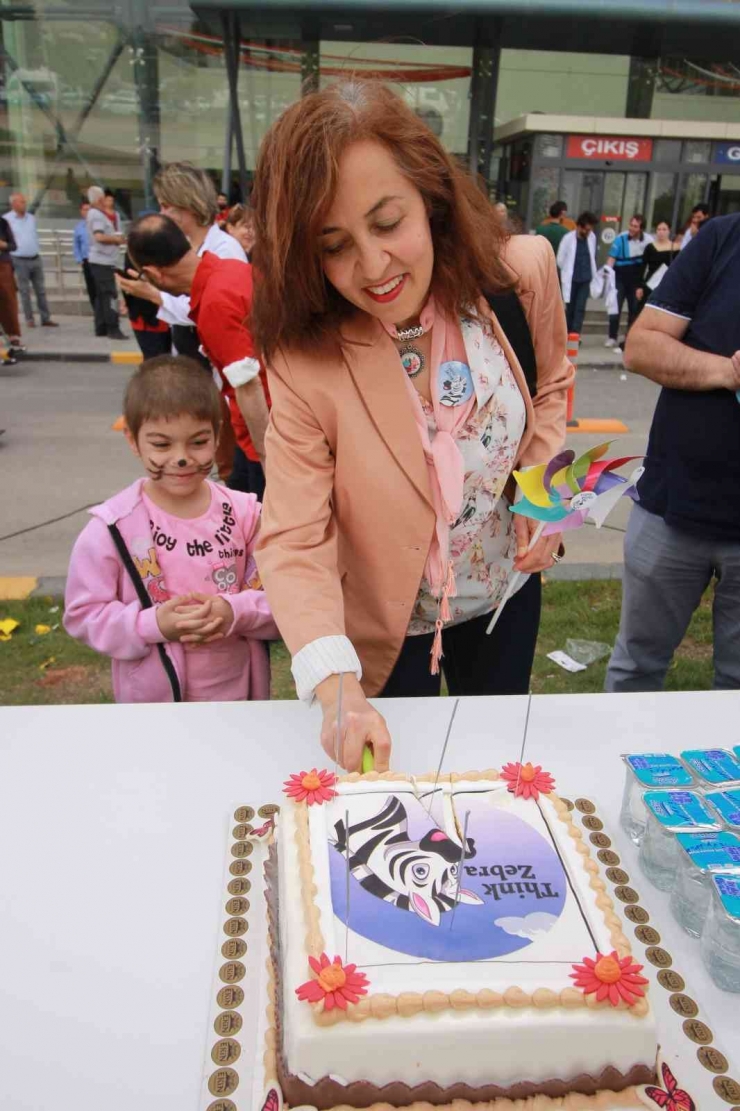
(434, 942)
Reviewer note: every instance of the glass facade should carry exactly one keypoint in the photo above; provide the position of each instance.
(106, 95)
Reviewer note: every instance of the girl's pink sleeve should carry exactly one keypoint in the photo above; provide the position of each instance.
(93, 611)
(252, 613)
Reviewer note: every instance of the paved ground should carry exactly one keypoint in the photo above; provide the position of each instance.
(74, 338)
(59, 454)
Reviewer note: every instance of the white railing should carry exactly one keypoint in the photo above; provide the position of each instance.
(62, 274)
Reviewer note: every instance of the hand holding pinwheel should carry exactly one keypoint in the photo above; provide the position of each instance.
(564, 493)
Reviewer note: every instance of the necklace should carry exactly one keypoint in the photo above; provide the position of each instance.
(415, 332)
(412, 360)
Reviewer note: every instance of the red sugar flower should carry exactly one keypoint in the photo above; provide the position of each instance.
(611, 977)
(313, 786)
(527, 780)
(335, 984)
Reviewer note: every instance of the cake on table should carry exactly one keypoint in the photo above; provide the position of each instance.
(446, 943)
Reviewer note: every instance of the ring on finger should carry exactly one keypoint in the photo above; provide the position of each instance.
(557, 558)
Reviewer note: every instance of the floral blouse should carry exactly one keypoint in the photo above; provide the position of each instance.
(482, 545)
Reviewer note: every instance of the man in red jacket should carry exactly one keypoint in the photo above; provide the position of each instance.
(220, 304)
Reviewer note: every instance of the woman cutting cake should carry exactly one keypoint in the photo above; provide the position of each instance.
(402, 401)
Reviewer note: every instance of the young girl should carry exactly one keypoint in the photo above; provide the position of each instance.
(162, 579)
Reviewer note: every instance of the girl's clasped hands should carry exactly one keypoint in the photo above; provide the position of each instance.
(194, 618)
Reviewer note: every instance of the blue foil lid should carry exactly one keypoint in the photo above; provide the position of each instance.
(711, 850)
(680, 811)
(727, 805)
(659, 769)
(713, 765)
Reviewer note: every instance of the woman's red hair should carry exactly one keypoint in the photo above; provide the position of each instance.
(295, 181)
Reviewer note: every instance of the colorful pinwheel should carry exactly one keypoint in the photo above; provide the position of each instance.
(565, 492)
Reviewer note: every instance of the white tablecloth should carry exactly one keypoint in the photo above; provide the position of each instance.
(113, 829)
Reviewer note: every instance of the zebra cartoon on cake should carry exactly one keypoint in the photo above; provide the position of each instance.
(420, 876)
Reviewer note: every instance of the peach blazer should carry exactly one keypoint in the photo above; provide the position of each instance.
(348, 518)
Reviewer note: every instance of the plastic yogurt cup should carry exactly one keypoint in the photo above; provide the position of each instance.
(669, 813)
(701, 854)
(720, 941)
(648, 771)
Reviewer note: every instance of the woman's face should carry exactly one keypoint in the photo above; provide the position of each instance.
(376, 246)
(662, 232)
(243, 233)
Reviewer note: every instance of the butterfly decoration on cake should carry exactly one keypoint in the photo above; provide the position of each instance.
(272, 1100)
(566, 492)
(263, 832)
(670, 1096)
(418, 876)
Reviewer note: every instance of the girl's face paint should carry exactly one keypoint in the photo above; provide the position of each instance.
(177, 453)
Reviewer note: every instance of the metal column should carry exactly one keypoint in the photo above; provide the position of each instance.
(232, 51)
(483, 87)
(310, 60)
(146, 83)
(641, 87)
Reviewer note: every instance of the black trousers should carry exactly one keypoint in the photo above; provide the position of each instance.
(575, 310)
(628, 282)
(89, 282)
(474, 663)
(106, 299)
(246, 475)
(153, 343)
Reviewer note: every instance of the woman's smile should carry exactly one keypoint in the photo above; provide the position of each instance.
(389, 291)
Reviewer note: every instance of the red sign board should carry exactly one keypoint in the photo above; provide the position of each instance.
(609, 148)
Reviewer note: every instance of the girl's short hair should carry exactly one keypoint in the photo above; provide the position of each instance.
(295, 182)
(168, 386)
(183, 185)
(240, 214)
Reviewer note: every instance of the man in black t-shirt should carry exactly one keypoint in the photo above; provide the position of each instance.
(685, 531)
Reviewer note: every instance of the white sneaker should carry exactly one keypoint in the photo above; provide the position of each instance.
(610, 342)
(617, 349)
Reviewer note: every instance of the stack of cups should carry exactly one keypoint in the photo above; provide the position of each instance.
(700, 856)
(650, 771)
(720, 940)
(669, 813)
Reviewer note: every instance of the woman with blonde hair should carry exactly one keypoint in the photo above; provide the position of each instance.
(401, 405)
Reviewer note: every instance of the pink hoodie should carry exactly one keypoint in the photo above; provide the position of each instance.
(103, 610)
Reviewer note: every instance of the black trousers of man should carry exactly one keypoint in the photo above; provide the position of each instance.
(106, 299)
(628, 282)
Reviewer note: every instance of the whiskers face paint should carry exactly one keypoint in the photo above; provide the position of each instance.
(156, 470)
(205, 468)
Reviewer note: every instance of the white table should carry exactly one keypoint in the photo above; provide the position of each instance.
(113, 830)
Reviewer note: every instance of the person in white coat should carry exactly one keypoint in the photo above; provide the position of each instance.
(577, 264)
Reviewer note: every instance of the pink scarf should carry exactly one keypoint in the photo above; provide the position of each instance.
(444, 461)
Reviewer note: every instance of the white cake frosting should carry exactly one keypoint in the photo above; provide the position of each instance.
(530, 910)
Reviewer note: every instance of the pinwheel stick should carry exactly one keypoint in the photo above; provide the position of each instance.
(514, 580)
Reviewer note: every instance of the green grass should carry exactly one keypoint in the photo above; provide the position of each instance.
(43, 670)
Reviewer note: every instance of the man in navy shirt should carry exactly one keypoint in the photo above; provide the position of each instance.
(686, 529)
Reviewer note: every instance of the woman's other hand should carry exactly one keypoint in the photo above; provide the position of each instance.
(361, 725)
(540, 557)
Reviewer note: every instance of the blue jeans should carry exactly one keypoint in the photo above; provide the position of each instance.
(30, 272)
